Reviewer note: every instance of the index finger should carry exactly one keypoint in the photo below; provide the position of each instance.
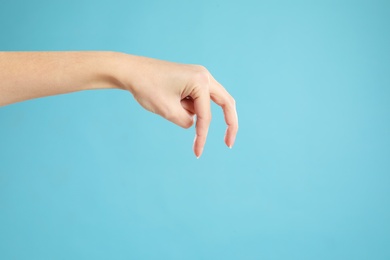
(203, 118)
(222, 98)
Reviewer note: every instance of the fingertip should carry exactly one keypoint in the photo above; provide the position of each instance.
(198, 148)
(183, 119)
(189, 122)
(230, 137)
(197, 154)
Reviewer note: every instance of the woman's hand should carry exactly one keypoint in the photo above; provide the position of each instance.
(175, 91)
(178, 92)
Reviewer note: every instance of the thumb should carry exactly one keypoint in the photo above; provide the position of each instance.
(181, 116)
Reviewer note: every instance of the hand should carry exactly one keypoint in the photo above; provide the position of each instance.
(175, 91)
(178, 92)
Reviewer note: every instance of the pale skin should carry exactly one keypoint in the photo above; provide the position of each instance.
(174, 91)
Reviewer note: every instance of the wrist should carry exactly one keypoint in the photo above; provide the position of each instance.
(112, 68)
(122, 69)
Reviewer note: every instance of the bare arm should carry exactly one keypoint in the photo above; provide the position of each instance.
(175, 91)
(27, 75)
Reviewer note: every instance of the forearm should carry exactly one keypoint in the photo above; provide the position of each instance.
(27, 75)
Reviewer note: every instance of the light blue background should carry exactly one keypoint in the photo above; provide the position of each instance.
(91, 175)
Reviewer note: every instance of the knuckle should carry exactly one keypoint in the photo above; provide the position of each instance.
(232, 101)
(208, 117)
(201, 68)
(235, 128)
(201, 76)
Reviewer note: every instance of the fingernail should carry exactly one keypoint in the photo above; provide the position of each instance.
(232, 140)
